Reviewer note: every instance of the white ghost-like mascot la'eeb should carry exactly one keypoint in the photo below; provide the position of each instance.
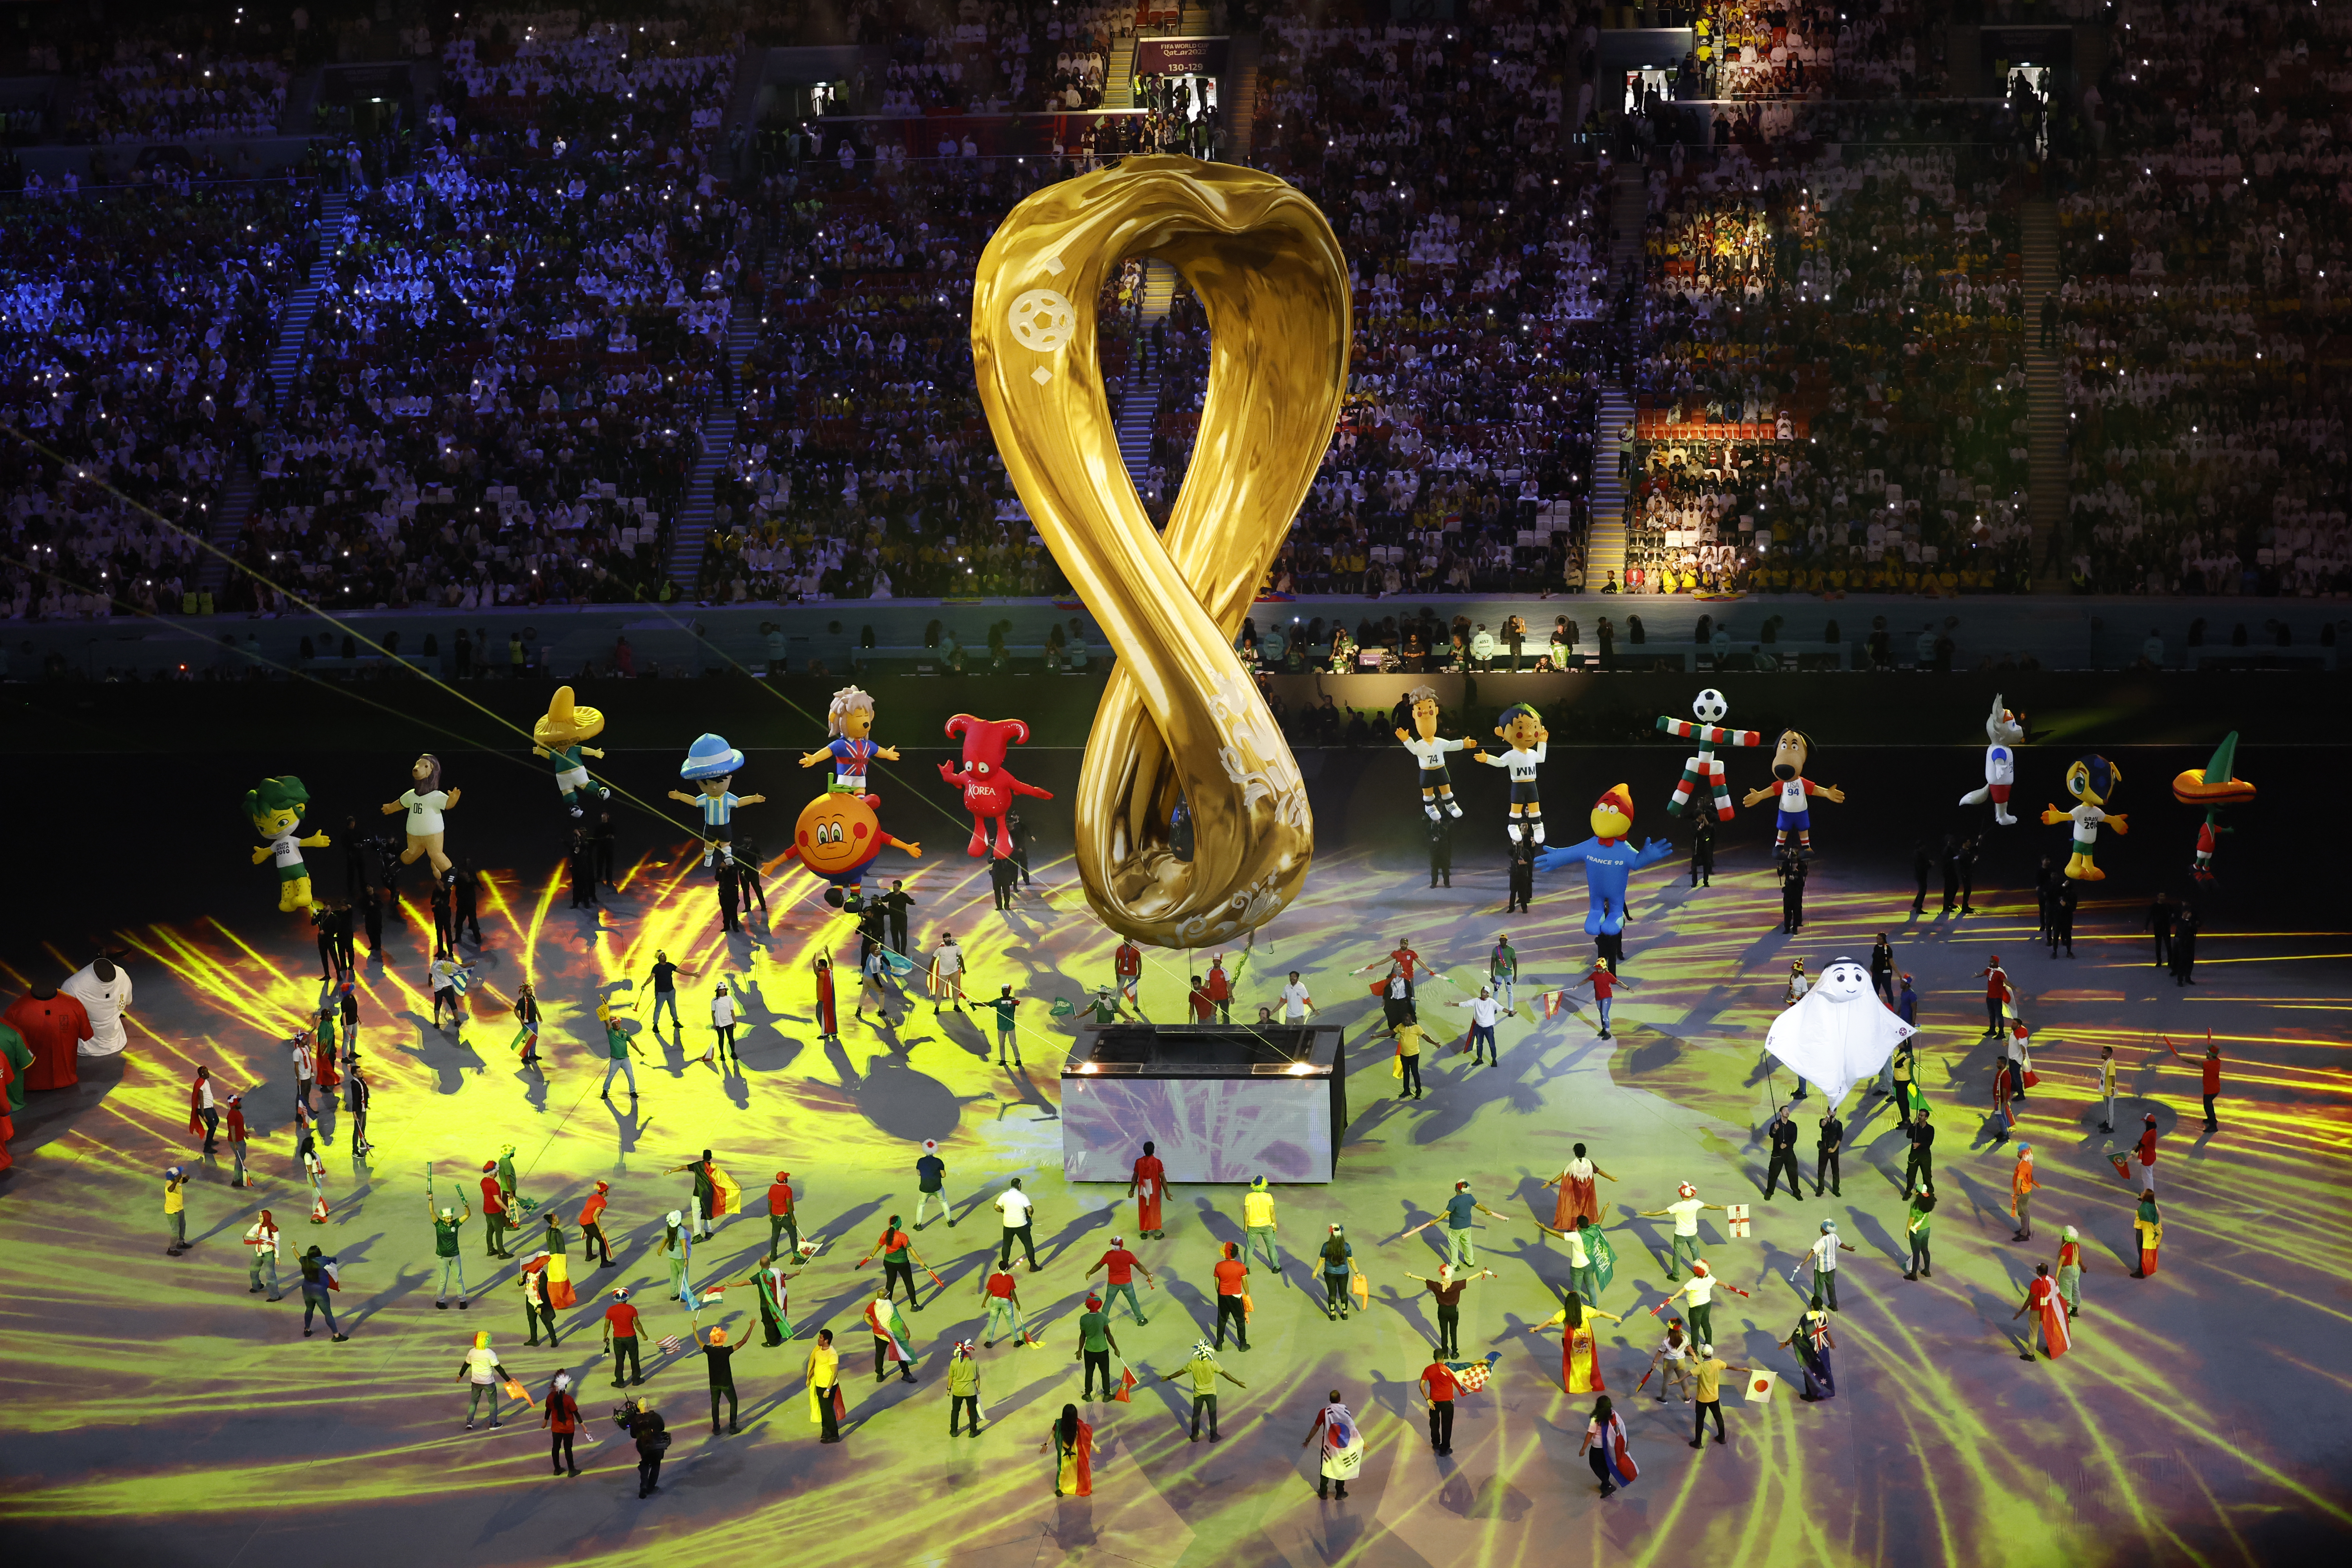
(1838, 1033)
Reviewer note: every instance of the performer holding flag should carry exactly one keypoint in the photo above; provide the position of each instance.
(1343, 1446)
(893, 1343)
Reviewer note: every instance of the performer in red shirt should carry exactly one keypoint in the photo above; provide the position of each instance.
(1148, 1186)
(591, 1228)
(781, 1220)
(1127, 963)
(2041, 1298)
(1221, 989)
(494, 1210)
(1439, 1387)
(621, 1338)
(1232, 1296)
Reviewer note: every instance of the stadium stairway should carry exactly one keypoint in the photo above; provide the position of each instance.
(1604, 548)
(2046, 482)
(718, 440)
(1141, 408)
(293, 331)
(1239, 91)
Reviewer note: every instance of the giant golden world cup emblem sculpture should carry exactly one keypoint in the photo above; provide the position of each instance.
(1180, 716)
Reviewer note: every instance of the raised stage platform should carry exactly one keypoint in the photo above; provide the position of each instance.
(1224, 1102)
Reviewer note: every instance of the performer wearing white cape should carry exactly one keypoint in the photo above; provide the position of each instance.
(1838, 1033)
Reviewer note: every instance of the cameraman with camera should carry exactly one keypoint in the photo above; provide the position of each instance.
(639, 1420)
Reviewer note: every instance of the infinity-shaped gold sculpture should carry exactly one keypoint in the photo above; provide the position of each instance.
(1180, 715)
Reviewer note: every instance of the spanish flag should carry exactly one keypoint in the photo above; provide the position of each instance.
(726, 1197)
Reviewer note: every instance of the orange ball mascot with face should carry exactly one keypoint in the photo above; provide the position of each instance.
(837, 836)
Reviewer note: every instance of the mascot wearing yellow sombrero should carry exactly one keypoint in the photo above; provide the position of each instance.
(2212, 786)
(558, 736)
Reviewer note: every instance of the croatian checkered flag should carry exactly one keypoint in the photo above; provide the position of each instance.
(1473, 1374)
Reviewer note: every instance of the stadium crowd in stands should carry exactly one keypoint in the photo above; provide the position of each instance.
(537, 295)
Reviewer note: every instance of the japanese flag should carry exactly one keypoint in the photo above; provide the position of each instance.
(1760, 1386)
(1736, 1216)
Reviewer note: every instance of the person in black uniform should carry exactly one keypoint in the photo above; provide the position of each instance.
(1018, 830)
(895, 903)
(1003, 877)
(1440, 851)
(600, 837)
(1919, 1167)
(465, 892)
(355, 857)
(1792, 893)
(2046, 883)
(583, 871)
(1951, 873)
(322, 920)
(1523, 877)
(2159, 920)
(1922, 863)
(2184, 946)
(2062, 917)
(1968, 859)
(1703, 853)
(372, 912)
(1825, 1152)
(1882, 969)
(748, 861)
(1782, 1131)
(730, 876)
(443, 908)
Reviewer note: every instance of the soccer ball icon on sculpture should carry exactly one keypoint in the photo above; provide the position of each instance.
(1709, 706)
(837, 836)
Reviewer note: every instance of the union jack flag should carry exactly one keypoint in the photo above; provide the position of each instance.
(1473, 1374)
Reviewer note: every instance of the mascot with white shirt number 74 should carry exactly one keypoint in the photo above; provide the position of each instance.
(1523, 728)
(1436, 783)
(1795, 790)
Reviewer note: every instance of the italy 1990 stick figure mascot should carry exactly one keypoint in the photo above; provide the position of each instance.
(1704, 773)
(1796, 792)
(2005, 731)
(2092, 782)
